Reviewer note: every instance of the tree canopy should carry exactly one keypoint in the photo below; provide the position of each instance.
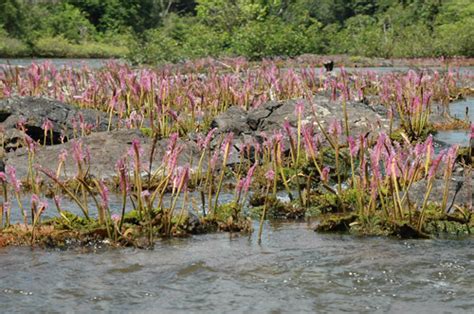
(156, 30)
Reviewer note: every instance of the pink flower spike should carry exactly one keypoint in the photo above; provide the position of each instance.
(435, 164)
(13, 180)
(353, 147)
(325, 174)
(299, 108)
(3, 177)
(62, 155)
(47, 125)
(270, 175)
(335, 128)
(104, 194)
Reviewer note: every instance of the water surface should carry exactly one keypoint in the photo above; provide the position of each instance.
(459, 109)
(293, 270)
(70, 62)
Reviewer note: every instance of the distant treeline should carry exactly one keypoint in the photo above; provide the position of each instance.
(172, 30)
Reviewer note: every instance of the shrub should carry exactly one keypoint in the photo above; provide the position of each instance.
(268, 38)
(11, 47)
(60, 47)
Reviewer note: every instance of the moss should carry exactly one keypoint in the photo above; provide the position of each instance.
(336, 223)
(276, 209)
(70, 221)
(399, 135)
(332, 203)
(147, 132)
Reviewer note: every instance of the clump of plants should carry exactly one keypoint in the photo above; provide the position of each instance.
(363, 181)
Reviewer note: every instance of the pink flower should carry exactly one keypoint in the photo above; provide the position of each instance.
(21, 124)
(225, 148)
(248, 178)
(450, 157)
(13, 180)
(435, 164)
(353, 147)
(472, 131)
(37, 204)
(309, 142)
(62, 155)
(180, 178)
(203, 144)
(270, 175)
(104, 194)
(121, 167)
(335, 128)
(325, 174)
(115, 218)
(77, 152)
(3, 177)
(135, 150)
(47, 125)
(299, 108)
(31, 144)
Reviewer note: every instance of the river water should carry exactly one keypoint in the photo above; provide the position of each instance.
(293, 270)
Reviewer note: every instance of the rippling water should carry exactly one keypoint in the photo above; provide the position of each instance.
(293, 270)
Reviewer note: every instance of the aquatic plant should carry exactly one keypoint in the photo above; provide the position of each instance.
(369, 178)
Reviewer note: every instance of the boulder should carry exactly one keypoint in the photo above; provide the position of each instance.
(104, 149)
(362, 118)
(65, 119)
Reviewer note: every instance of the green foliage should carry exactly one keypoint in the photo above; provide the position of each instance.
(268, 38)
(173, 30)
(69, 22)
(60, 47)
(12, 47)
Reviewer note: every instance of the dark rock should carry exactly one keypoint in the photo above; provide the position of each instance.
(34, 111)
(407, 231)
(328, 65)
(233, 120)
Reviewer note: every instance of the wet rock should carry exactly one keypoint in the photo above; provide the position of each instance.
(336, 223)
(34, 111)
(459, 191)
(407, 231)
(104, 149)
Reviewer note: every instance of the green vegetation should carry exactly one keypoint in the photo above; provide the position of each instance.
(153, 31)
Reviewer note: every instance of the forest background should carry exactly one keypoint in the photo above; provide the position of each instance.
(154, 31)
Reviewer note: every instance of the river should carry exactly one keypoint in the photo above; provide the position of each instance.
(293, 270)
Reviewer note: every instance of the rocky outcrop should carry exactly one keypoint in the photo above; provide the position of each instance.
(271, 116)
(66, 120)
(104, 149)
(460, 191)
